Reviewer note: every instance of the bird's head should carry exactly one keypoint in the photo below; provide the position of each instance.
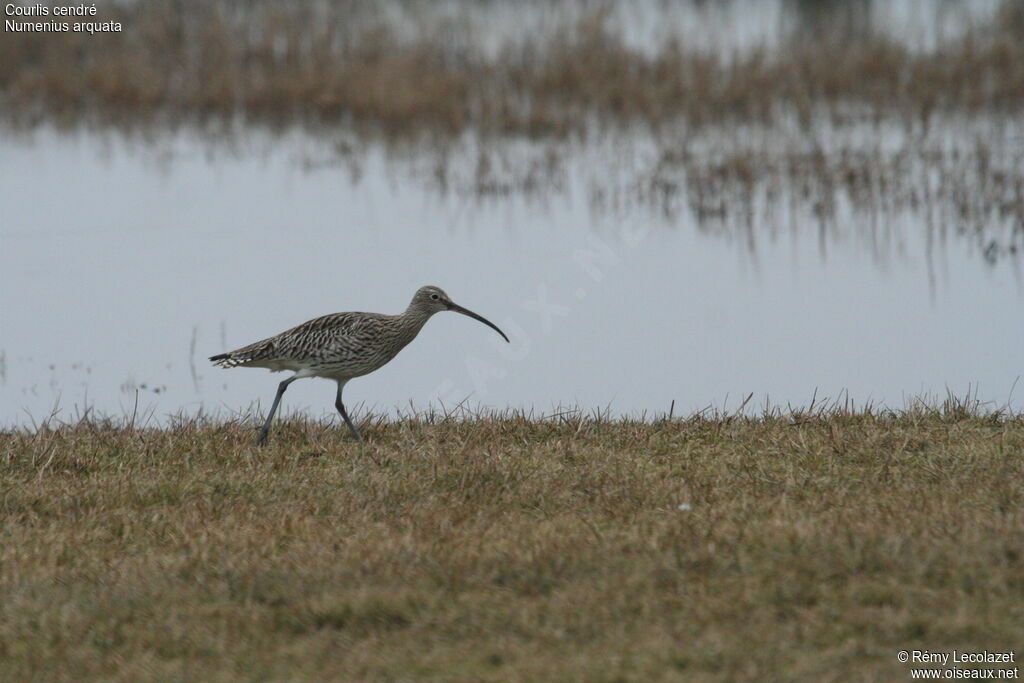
(432, 300)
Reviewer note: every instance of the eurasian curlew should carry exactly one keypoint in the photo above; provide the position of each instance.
(341, 346)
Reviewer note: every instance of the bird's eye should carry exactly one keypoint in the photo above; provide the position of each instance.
(434, 297)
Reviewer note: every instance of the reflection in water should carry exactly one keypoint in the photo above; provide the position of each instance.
(628, 273)
(850, 195)
(859, 185)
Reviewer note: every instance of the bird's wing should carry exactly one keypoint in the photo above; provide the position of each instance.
(332, 333)
(324, 336)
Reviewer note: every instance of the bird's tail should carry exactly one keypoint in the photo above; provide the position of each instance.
(253, 354)
(226, 360)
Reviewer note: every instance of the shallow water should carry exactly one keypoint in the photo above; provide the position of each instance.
(125, 263)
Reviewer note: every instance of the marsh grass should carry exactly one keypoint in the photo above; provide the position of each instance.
(317, 62)
(806, 544)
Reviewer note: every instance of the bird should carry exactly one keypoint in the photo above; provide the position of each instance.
(342, 346)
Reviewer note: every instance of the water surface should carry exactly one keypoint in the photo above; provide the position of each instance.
(126, 262)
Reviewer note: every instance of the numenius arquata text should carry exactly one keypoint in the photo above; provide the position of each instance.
(341, 346)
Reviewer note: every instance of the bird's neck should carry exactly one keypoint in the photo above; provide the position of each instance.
(413, 320)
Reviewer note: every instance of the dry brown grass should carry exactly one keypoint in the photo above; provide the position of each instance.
(816, 546)
(280, 62)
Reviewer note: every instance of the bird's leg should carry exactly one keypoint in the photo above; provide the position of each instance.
(262, 438)
(341, 409)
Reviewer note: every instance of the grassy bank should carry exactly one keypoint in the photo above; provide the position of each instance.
(510, 549)
(317, 62)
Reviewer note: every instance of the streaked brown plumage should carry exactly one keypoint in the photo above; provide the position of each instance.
(341, 346)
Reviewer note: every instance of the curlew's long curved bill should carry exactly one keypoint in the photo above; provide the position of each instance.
(465, 311)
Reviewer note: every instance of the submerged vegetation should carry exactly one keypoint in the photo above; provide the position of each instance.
(505, 548)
